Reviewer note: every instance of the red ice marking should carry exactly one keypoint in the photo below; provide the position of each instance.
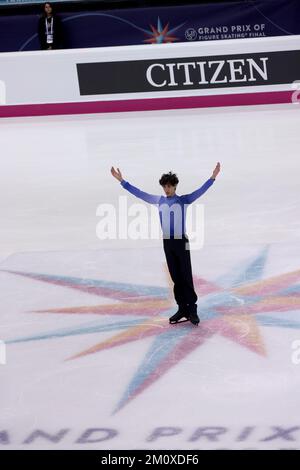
(242, 330)
(109, 292)
(205, 287)
(123, 309)
(147, 104)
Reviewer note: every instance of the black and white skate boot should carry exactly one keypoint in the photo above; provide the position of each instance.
(179, 317)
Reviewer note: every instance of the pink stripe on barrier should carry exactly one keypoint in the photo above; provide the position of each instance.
(150, 104)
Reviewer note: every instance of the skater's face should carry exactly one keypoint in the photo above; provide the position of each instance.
(169, 190)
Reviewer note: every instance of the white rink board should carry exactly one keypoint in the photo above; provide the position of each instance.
(42, 77)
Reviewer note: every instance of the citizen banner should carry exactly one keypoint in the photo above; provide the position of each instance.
(270, 68)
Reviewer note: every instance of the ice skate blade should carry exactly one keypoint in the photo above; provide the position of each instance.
(180, 321)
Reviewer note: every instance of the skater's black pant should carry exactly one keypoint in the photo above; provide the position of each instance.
(179, 263)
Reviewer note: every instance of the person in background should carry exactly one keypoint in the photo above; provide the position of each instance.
(49, 28)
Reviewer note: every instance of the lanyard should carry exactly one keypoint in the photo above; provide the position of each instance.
(51, 26)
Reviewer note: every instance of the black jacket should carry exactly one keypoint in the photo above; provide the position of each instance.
(57, 33)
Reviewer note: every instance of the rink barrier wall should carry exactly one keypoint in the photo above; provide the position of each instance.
(138, 78)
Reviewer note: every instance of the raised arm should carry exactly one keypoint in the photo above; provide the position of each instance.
(189, 198)
(151, 198)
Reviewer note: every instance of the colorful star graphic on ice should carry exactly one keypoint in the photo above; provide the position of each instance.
(161, 34)
(234, 306)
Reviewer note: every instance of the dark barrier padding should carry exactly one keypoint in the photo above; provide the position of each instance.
(231, 20)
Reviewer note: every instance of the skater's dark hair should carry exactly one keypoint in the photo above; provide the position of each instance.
(169, 178)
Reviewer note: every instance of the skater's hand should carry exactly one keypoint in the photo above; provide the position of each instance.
(116, 174)
(216, 170)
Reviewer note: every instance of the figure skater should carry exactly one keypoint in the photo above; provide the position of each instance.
(172, 211)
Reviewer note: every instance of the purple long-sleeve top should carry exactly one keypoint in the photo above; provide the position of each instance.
(172, 210)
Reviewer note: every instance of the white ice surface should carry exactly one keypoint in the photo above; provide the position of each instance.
(55, 171)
